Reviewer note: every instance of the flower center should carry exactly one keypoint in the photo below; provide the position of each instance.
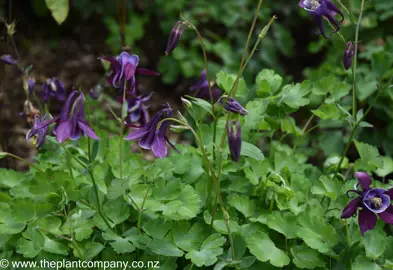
(311, 4)
(376, 202)
(34, 139)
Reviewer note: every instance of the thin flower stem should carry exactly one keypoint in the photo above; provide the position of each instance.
(344, 7)
(72, 156)
(206, 63)
(209, 82)
(354, 104)
(57, 235)
(139, 223)
(27, 162)
(121, 143)
(260, 37)
(99, 208)
(347, 231)
(356, 126)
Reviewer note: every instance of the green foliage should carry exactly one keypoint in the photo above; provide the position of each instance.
(59, 9)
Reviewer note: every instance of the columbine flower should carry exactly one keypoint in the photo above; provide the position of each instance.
(322, 9)
(39, 130)
(234, 139)
(53, 88)
(202, 88)
(137, 110)
(71, 123)
(348, 54)
(124, 68)
(8, 59)
(371, 201)
(152, 137)
(232, 105)
(174, 37)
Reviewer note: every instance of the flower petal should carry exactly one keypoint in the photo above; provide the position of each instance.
(387, 215)
(364, 180)
(136, 134)
(87, 130)
(144, 71)
(63, 131)
(351, 208)
(389, 192)
(159, 147)
(367, 220)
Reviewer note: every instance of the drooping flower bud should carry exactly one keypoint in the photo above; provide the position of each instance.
(8, 59)
(53, 88)
(232, 105)
(348, 54)
(174, 37)
(187, 104)
(28, 85)
(234, 139)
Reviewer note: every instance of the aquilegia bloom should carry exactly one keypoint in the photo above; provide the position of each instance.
(174, 37)
(202, 88)
(71, 123)
(320, 9)
(348, 54)
(234, 139)
(151, 137)
(124, 68)
(371, 201)
(53, 88)
(232, 105)
(39, 130)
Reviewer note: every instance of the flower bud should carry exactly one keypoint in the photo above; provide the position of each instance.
(348, 54)
(174, 37)
(232, 105)
(186, 103)
(234, 139)
(8, 59)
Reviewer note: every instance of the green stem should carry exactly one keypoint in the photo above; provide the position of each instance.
(27, 162)
(141, 210)
(121, 143)
(72, 156)
(208, 81)
(355, 61)
(57, 235)
(347, 231)
(226, 219)
(356, 126)
(99, 206)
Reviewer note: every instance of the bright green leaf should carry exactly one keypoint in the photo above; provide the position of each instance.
(59, 9)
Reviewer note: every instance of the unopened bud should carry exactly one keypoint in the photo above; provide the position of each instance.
(11, 29)
(186, 103)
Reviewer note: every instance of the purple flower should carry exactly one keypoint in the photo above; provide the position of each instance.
(71, 123)
(322, 9)
(348, 54)
(29, 84)
(95, 92)
(124, 68)
(8, 59)
(53, 88)
(174, 37)
(234, 139)
(202, 88)
(137, 110)
(39, 130)
(371, 201)
(232, 105)
(151, 136)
